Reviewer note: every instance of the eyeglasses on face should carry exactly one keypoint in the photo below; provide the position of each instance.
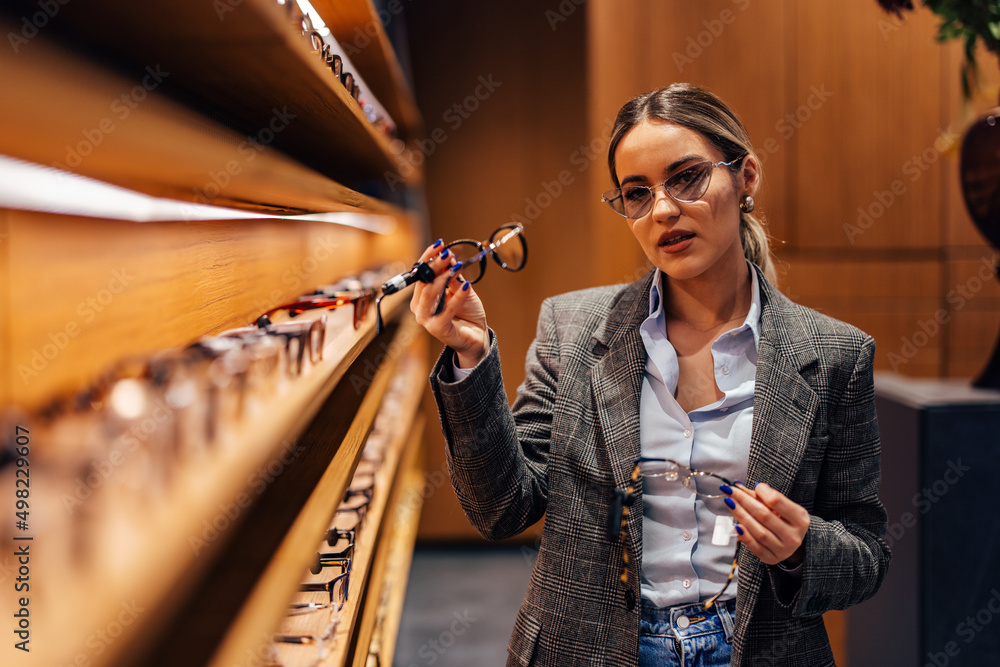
(698, 482)
(687, 185)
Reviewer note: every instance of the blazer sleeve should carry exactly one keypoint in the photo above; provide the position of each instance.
(498, 455)
(846, 556)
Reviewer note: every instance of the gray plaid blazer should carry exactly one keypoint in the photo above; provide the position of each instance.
(571, 438)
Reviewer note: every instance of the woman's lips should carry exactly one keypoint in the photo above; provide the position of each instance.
(676, 242)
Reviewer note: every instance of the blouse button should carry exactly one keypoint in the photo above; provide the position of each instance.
(725, 370)
(687, 433)
(686, 534)
(687, 583)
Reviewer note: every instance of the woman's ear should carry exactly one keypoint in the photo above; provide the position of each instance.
(749, 181)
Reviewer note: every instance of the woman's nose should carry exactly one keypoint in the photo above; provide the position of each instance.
(664, 206)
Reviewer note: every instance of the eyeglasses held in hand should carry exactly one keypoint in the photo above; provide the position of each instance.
(688, 185)
(506, 245)
(699, 482)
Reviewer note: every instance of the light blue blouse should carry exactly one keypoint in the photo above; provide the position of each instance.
(680, 565)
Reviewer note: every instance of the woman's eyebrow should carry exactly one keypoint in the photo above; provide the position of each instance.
(632, 178)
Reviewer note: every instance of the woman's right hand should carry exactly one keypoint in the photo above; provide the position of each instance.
(461, 325)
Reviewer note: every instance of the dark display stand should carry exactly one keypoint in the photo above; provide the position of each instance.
(940, 601)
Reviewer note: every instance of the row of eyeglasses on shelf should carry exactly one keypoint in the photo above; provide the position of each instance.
(334, 57)
(307, 635)
(150, 416)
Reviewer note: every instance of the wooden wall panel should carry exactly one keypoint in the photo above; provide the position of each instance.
(878, 145)
(887, 299)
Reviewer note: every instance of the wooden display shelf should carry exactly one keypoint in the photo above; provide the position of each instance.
(120, 128)
(266, 605)
(162, 562)
(356, 26)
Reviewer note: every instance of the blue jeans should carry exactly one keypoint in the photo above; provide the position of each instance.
(687, 636)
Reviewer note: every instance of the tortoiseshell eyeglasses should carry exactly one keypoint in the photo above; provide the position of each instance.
(699, 482)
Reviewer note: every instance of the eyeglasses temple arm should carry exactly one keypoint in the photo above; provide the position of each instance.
(619, 498)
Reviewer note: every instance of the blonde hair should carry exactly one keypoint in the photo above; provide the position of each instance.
(697, 109)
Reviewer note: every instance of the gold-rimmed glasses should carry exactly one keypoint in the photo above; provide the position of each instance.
(700, 482)
(687, 185)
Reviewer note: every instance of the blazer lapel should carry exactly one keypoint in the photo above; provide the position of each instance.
(784, 411)
(616, 379)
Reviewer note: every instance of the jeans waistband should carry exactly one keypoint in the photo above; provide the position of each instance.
(690, 620)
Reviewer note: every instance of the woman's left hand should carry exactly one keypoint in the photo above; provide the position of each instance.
(773, 526)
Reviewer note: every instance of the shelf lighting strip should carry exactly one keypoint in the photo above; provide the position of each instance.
(32, 187)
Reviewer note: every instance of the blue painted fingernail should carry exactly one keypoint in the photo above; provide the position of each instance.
(437, 244)
(726, 490)
(738, 482)
(730, 504)
(739, 530)
(466, 286)
(455, 268)
(444, 254)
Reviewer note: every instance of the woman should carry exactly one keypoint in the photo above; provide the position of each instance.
(702, 362)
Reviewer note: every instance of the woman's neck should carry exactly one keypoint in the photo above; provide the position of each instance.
(706, 304)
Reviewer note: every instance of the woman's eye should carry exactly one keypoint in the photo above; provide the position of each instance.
(635, 194)
(686, 177)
